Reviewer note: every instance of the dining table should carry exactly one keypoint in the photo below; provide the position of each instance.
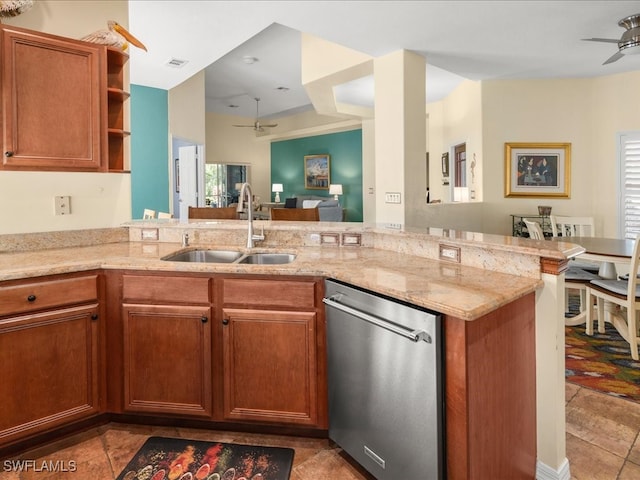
(608, 251)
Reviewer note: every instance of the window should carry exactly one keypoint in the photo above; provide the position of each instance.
(221, 181)
(629, 154)
(460, 164)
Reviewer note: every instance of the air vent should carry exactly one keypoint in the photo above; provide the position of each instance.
(176, 63)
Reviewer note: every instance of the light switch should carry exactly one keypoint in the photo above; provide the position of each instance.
(392, 197)
(62, 204)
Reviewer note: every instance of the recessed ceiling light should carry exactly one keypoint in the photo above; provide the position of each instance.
(248, 59)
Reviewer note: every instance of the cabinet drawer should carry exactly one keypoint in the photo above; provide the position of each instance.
(270, 293)
(147, 288)
(29, 297)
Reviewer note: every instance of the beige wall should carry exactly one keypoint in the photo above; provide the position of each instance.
(228, 144)
(585, 112)
(187, 110)
(97, 199)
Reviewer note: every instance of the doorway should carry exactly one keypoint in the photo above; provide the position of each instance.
(187, 176)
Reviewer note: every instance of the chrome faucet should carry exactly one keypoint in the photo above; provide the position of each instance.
(250, 236)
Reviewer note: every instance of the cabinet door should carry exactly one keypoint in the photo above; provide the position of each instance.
(270, 366)
(49, 370)
(167, 359)
(53, 101)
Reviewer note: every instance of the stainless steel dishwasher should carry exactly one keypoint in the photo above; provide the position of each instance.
(385, 383)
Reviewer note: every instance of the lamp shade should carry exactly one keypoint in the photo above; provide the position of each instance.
(335, 189)
(277, 188)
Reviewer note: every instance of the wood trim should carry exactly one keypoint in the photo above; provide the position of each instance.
(553, 266)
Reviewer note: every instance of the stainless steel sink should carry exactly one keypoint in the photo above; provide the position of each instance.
(204, 256)
(229, 256)
(267, 258)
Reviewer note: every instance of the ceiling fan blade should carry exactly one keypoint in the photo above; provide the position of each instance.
(606, 40)
(271, 125)
(251, 126)
(616, 56)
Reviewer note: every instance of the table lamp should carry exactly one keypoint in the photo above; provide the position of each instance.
(335, 189)
(277, 188)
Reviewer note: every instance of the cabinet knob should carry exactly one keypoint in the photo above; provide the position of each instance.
(204, 319)
(8, 154)
(31, 298)
(94, 316)
(225, 321)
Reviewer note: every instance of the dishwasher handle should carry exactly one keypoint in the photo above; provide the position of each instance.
(414, 335)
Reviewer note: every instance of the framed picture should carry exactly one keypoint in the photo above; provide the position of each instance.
(316, 172)
(537, 169)
(445, 164)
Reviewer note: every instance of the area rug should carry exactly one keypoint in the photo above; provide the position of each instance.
(601, 362)
(162, 458)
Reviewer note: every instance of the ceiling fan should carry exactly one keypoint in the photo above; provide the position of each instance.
(257, 126)
(629, 43)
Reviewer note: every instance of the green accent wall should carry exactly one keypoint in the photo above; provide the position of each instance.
(345, 167)
(149, 150)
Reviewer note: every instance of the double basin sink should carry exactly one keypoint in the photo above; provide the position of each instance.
(229, 256)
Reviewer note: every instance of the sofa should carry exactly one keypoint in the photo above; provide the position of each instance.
(329, 209)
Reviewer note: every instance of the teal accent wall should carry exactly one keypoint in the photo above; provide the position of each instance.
(149, 150)
(345, 149)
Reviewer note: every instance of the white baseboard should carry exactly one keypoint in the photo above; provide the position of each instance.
(545, 472)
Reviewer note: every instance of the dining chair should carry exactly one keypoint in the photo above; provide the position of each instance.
(164, 215)
(534, 229)
(624, 293)
(148, 214)
(575, 277)
(299, 214)
(563, 226)
(221, 213)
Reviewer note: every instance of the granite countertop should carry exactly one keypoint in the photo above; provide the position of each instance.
(465, 292)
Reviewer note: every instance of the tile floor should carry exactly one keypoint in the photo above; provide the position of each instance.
(603, 443)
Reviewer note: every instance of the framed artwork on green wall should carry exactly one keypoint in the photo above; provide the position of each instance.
(316, 172)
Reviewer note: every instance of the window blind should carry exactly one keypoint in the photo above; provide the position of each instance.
(630, 183)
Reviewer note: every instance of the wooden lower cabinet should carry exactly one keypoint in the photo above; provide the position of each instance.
(167, 359)
(270, 366)
(490, 394)
(273, 342)
(243, 349)
(49, 363)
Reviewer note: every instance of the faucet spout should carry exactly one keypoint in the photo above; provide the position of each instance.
(251, 237)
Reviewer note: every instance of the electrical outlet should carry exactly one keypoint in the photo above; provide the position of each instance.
(392, 197)
(62, 205)
(448, 252)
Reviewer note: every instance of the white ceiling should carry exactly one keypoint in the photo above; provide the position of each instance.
(474, 40)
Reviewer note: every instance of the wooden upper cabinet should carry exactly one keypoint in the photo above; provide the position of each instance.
(53, 102)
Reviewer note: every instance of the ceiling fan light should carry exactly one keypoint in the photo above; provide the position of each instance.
(632, 48)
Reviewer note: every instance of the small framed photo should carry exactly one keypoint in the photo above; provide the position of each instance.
(537, 169)
(316, 172)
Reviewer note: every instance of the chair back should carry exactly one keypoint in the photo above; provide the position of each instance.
(534, 229)
(572, 226)
(299, 214)
(633, 270)
(229, 213)
(148, 214)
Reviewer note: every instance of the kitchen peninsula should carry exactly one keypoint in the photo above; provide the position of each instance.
(492, 291)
